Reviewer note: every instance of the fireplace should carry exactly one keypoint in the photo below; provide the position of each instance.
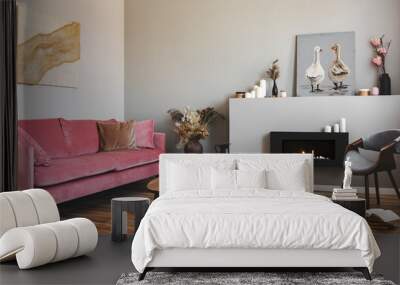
(328, 148)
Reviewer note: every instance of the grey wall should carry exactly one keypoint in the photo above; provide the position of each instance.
(253, 119)
(190, 52)
(100, 92)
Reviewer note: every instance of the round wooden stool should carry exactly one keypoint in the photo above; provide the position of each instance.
(119, 214)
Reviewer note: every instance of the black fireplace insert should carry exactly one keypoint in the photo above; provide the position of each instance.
(328, 148)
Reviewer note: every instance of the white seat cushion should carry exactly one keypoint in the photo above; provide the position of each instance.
(7, 220)
(26, 208)
(66, 237)
(22, 207)
(45, 206)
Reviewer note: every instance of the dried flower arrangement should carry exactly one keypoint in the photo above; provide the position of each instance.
(192, 125)
(274, 72)
(381, 50)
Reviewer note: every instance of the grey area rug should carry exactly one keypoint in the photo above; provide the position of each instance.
(233, 278)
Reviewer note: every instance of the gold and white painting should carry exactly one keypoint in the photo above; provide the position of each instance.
(48, 50)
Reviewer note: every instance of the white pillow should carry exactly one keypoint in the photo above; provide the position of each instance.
(223, 179)
(251, 178)
(282, 174)
(291, 179)
(181, 177)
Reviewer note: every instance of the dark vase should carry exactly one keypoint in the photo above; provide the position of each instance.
(385, 85)
(193, 146)
(275, 90)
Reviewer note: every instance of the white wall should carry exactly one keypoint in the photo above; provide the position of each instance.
(191, 52)
(100, 94)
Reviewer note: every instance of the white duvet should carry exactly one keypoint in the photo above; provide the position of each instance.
(250, 218)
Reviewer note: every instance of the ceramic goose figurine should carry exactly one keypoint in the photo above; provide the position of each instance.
(315, 73)
(338, 71)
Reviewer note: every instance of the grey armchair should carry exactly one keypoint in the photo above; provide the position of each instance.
(385, 144)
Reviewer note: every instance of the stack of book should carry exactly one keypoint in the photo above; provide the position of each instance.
(344, 194)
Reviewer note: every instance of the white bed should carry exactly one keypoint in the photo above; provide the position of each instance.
(199, 224)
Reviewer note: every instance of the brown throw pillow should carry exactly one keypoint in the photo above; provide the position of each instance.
(116, 136)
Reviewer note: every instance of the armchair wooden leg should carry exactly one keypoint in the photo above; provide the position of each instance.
(366, 183)
(378, 200)
(394, 183)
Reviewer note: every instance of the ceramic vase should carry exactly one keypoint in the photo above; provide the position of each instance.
(385, 85)
(193, 146)
(275, 90)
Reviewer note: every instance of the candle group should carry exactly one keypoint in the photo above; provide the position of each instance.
(260, 91)
(337, 128)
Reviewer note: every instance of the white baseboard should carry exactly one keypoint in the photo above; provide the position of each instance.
(360, 189)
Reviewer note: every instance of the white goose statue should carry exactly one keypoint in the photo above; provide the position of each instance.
(338, 71)
(315, 73)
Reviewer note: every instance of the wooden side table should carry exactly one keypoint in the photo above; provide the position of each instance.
(356, 205)
(154, 187)
(119, 214)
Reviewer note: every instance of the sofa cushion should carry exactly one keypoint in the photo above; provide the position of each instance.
(144, 133)
(67, 169)
(39, 154)
(119, 136)
(81, 135)
(48, 134)
(130, 158)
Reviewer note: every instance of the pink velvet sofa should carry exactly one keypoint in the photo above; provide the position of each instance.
(62, 156)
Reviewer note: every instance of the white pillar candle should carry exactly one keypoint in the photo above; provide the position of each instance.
(336, 128)
(343, 125)
(247, 95)
(263, 86)
(253, 94)
(328, 129)
(283, 94)
(258, 92)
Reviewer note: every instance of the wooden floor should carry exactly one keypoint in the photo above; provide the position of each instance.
(98, 207)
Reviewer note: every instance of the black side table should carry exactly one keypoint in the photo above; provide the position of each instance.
(356, 205)
(119, 214)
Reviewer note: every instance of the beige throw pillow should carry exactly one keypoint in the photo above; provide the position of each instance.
(116, 136)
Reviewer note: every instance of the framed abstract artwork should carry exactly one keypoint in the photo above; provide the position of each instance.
(49, 49)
